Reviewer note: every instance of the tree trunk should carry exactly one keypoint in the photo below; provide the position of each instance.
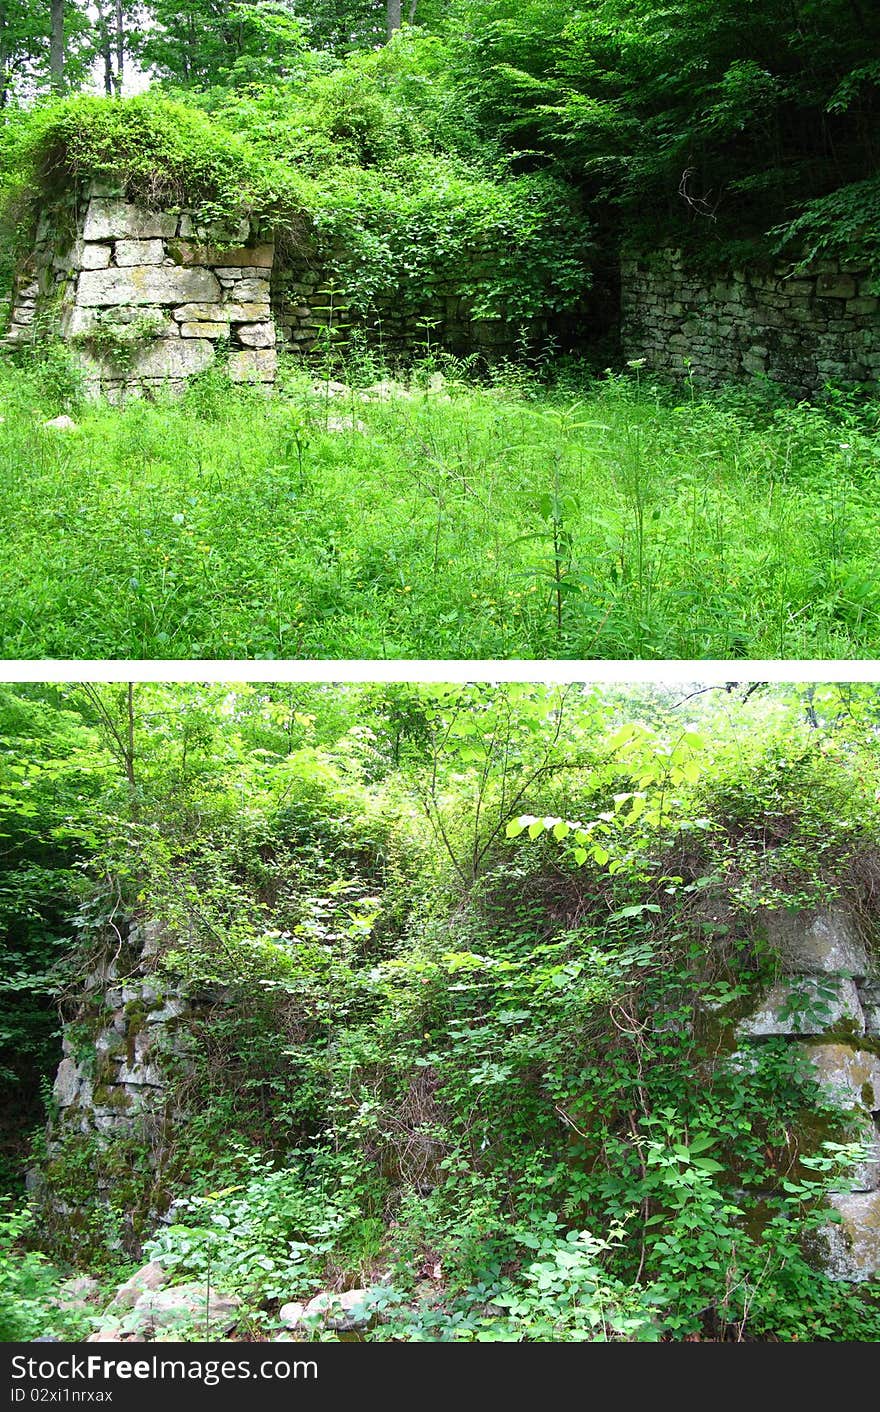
(120, 48)
(56, 45)
(395, 16)
(106, 48)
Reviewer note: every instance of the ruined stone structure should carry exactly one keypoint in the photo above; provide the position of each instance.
(827, 1002)
(800, 330)
(312, 312)
(149, 298)
(132, 1036)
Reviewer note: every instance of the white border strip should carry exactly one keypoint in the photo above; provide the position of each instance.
(709, 672)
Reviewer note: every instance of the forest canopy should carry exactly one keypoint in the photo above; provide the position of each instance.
(732, 129)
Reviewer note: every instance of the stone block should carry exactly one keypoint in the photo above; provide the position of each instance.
(204, 329)
(67, 1083)
(222, 313)
(870, 998)
(146, 284)
(140, 252)
(149, 1277)
(251, 291)
(253, 365)
(833, 286)
(805, 1005)
(854, 1244)
(240, 257)
(191, 1304)
(174, 358)
(256, 335)
(110, 219)
(824, 943)
(851, 1075)
(94, 257)
(81, 321)
(866, 1175)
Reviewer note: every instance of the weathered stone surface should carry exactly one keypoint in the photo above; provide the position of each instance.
(204, 330)
(257, 335)
(866, 1175)
(854, 1245)
(147, 936)
(81, 322)
(62, 423)
(149, 1277)
(805, 1005)
(218, 313)
(94, 257)
(343, 1312)
(185, 1306)
(251, 291)
(870, 997)
(242, 256)
(800, 331)
(66, 1086)
(291, 1314)
(253, 365)
(107, 218)
(139, 252)
(78, 1292)
(146, 284)
(827, 942)
(173, 358)
(851, 1075)
(248, 256)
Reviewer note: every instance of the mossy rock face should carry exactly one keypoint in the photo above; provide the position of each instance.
(850, 1075)
(853, 1246)
(807, 1005)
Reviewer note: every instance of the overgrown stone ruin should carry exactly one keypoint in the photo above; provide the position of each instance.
(148, 299)
(130, 1035)
(801, 329)
(827, 1002)
(131, 1039)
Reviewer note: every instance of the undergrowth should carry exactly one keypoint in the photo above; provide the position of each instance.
(447, 519)
(483, 1064)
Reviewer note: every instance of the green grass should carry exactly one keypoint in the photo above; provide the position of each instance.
(500, 521)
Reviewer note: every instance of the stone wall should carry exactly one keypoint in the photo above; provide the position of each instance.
(826, 1002)
(312, 312)
(132, 1036)
(148, 298)
(128, 1039)
(801, 330)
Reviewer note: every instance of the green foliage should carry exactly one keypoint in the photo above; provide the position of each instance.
(684, 527)
(155, 150)
(706, 124)
(264, 1236)
(497, 1083)
(29, 1286)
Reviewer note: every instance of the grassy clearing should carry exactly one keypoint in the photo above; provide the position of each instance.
(454, 521)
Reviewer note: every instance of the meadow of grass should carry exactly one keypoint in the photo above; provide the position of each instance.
(609, 519)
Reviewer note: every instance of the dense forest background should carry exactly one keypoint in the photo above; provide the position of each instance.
(462, 952)
(731, 127)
